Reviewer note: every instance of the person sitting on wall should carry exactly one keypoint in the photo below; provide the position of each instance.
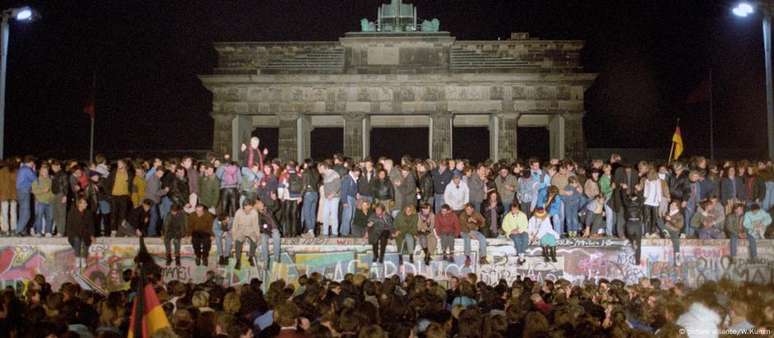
(175, 224)
(245, 228)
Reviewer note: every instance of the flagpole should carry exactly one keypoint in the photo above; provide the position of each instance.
(712, 119)
(91, 141)
(671, 149)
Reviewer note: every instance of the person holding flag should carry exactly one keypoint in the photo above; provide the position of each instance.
(148, 317)
(677, 144)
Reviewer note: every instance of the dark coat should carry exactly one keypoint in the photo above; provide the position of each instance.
(383, 189)
(80, 225)
(380, 224)
(111, 179)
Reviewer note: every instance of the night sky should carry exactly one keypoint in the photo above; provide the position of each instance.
(146, 55)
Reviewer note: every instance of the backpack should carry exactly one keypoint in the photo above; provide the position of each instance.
(231, 176)
(295, 186)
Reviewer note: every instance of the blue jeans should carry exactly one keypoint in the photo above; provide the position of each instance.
(520, 242)
(25, 210)
(309, 210)
(507, 206)
(438, 202)
(223, 241)
(466, 237)
(571, 218)
(609, 220)
(275, 242)
(556, 221)
(347, 213)
(752, 245)
(153, 221)
(42, 214)
(164, 206)
(408, 243)
(688, 212)
(768, 199)
(330, 216)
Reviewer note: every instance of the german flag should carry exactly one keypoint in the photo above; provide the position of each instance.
(148, 316)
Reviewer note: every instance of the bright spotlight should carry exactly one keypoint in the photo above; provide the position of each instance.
(743, 9)
(24, 14)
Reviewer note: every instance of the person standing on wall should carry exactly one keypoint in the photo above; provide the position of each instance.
(80, 230)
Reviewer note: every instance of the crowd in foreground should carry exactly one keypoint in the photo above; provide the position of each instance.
(423, 205)
(359, 307)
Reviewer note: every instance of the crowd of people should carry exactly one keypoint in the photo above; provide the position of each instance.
(414, 307)
(417, 203)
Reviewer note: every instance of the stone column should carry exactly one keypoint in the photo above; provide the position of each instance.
(507, 132)
(241, 131)
(441, 135)
(354, 135)
(221, 133)
(556, 136)
(288, 136)
(574, 142)
(304, 137)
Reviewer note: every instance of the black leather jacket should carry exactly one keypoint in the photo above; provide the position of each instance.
(680, 187)
(426, 187)
(633, 206)
(382, 189)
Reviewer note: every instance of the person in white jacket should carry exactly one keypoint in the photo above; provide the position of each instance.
(653, 195)
(457, 194)
(542, 232)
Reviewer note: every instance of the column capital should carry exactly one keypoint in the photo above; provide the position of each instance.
(222, 117)
(441, 114)
(573, 116)
(288, 116)
(354, 116)
(507, 115)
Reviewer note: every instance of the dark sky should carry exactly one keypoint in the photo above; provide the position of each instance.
(146, 54)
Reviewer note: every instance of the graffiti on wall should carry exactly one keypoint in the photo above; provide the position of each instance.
(579, 261)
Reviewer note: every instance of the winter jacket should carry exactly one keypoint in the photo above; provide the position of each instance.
(138, 193)
(80, 225)
(41, 188)
(732, 188)
(527, 190)
(680, 187)
(407, 192)
(456, 195)
(246, 225)
(311, 180)
(426, 186)
(383, 190)
(364, 183)
(348, 186)
(441, 180)
(153, 189)
(178, 191)
(24, 178)
(110, 181)
(447, 224)
(139, 219)
(477, 188)
(407, 224)
(7, 184)
(60, 184)
(755, 222)
(755, 188)
(502, 184)
(474, 222)
(332, 184)
(513, 222)
(209, 190)
(379, 224)
(200, 224)
(175, 225)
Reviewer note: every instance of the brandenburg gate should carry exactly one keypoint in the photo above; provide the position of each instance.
(399, 72)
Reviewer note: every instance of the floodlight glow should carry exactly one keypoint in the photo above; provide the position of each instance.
(24, 14)
(743, 9)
